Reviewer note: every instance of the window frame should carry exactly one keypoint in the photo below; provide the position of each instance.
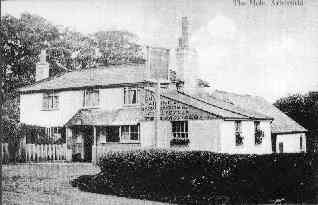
(52, 99)
(257, 128)
(301, 141)
(128, 98)
(239, 139)
(181, 130)
(89, 92)
(130, 132)
(280, 147)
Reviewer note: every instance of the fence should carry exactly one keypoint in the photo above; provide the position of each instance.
(37, 152)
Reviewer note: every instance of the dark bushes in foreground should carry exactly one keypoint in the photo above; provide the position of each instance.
(202, 177)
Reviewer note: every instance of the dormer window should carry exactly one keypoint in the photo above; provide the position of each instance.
(130, 96)
(50, 101)
(91, 98)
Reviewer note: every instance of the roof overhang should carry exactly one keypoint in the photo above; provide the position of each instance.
(98, 117)
(83, 87)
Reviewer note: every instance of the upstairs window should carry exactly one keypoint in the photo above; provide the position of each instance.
(130, 96)
(238, 133)
(259, 134)
(50, 101)
(91, 98)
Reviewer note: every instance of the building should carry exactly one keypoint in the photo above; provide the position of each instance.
(124, 107)
(287, 135)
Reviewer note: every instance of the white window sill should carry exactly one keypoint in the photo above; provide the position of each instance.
(53, 109)
(131, 105)
(130, 142)
(91, 107)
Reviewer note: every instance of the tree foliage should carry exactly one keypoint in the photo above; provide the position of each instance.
(301, 108)
(21, 41)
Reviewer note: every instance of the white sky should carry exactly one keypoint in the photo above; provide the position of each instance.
(267, 51)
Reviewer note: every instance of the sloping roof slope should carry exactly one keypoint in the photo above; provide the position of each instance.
(125, 116)
(281, 123)
(101, 76)
(216, 107)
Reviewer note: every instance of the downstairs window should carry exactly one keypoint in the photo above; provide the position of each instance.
(130, 133)
(180, 133)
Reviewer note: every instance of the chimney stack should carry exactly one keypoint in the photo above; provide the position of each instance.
(42, 68)
(185, 32)
(186, 60)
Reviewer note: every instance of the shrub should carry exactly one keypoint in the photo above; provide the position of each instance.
(199, 177)
(178, 141)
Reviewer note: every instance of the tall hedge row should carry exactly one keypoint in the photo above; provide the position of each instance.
(202, 177)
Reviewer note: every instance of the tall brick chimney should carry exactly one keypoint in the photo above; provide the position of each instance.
(185, 32)
(186, 59)
(42, 69)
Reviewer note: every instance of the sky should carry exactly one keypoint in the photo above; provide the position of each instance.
(269, 51)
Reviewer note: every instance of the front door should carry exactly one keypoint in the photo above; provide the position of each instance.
(88, 143)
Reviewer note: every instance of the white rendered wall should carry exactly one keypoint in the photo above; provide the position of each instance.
(291, 142)
(70, 102)
(31, 111)
(228, 144)
(204, 135)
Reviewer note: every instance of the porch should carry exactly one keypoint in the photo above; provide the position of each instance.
(88, 141)
(91, 132)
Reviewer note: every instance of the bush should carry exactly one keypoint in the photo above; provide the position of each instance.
(181, 142)
(200, 177)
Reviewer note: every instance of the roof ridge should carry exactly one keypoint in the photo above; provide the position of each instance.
(214, 105)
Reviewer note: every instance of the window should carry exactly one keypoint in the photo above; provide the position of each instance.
(238, 133)
(91, 98)
(259, 134)
(50, 101)
(180, 129)
(130, 133)
(108, 134)
(281, 147)
(301, 143)
(130, 96)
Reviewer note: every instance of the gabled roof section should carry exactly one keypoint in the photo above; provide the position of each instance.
(219, 108)
(281, 123)
(101, 76)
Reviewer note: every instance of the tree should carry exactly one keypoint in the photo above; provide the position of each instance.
(301, 108)
(21, 41)
(118, 47)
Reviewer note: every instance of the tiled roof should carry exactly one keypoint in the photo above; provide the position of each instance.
(216, 107)
(101, 76)
(125, 116)
(281, 123)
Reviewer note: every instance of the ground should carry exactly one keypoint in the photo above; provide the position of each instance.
(49, 183)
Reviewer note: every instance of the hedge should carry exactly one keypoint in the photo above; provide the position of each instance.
(201, 177)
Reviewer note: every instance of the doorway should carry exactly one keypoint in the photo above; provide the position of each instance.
(82, 150)
(88, 143)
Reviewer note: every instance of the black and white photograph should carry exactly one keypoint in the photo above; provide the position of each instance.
(157, 102)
